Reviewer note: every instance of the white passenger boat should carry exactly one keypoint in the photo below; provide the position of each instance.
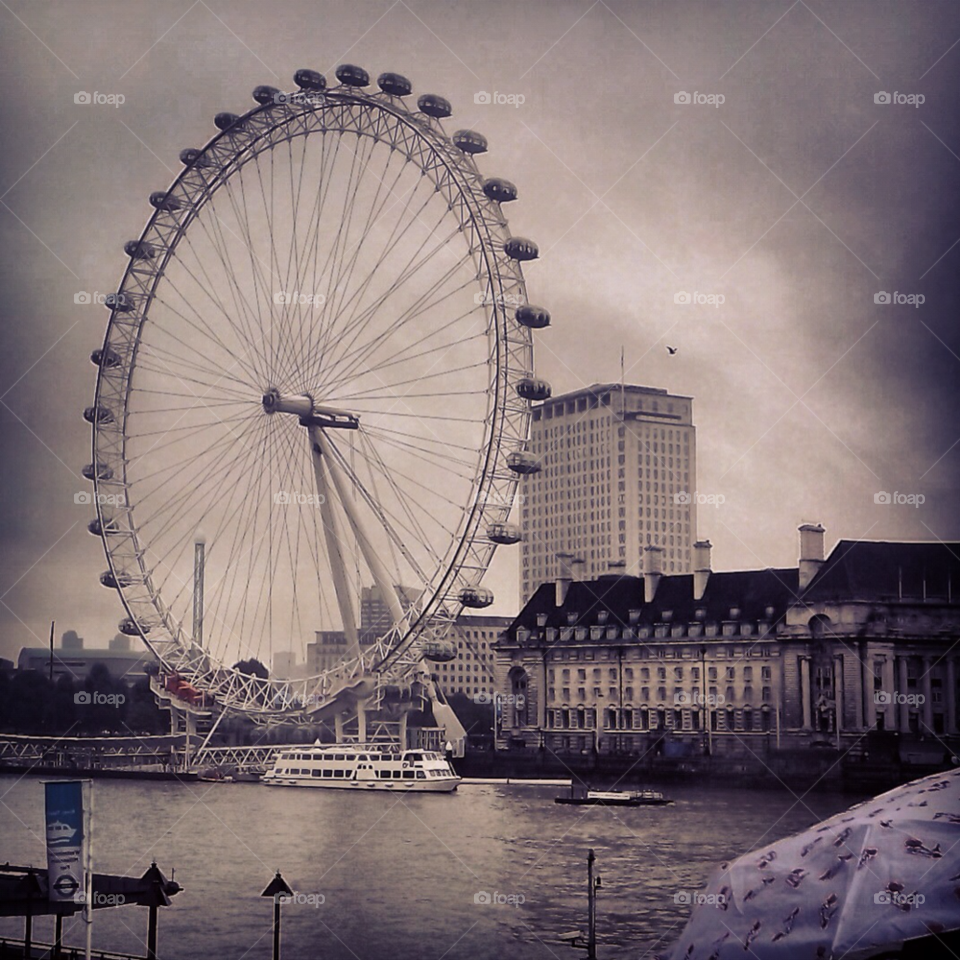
(357, 767)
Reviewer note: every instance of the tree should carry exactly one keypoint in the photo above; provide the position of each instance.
(252, 668)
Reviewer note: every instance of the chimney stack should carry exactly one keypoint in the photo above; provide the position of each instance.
(811, 552)
(701, 567)
(564, 577)
(652, 571)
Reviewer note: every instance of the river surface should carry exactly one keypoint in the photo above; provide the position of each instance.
(380, 876)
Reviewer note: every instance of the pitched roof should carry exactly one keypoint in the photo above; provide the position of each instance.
(883, 570)
(752, 591)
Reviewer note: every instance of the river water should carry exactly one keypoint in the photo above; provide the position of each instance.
(380, 876)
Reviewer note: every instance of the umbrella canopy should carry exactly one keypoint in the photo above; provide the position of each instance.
(884, 872)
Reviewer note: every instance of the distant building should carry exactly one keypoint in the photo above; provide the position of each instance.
(375, 615)
(471, 673)
(618, 473)
(839, 653)
(122, 658)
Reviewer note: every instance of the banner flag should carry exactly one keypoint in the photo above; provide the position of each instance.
(65, 839)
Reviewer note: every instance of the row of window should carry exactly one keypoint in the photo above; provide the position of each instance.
(644, 719)
(678, 673)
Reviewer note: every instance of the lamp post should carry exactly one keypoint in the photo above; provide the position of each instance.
(277, 889)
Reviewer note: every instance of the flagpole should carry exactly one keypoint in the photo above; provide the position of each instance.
(88, 913)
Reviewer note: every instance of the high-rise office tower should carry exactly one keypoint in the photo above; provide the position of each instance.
(619, 472)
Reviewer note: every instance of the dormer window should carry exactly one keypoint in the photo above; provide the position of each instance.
(634, 616)
(571, 617)
(602, 616)
(667, 616)
(734, 613)
(541, 619)
(769, 612)
(700, 613)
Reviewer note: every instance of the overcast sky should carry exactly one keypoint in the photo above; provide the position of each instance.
(795, 200)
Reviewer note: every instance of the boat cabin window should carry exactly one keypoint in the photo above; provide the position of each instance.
(408, 774)
(328, 773)
(421, 775)
(414, 756)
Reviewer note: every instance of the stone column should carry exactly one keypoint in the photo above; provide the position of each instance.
(805, 691)
(927, 694)
(887, 683)
(904, 725)
(868, 694)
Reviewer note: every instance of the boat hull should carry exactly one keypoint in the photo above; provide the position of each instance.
(368, 786)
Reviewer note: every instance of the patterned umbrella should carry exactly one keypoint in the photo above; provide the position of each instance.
(884, 872)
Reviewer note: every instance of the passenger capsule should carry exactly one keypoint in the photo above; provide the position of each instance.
(95, 527)
(131, 628)
(434, 105)
(163, 201)
(97, 415)
(394, 84)
(264, 94)
(139, 250)
(534, 317)
(439, 651)
(531, 389)
(352, 76)
(228, 121)
(523, 463)
(469, 141)
(505, 533)
(503, 191)
(120, 302)
(310, 80)
(120, 580)
(518, 248)
(192, 157)
(476, 596)
(102, 471)
(105, 357)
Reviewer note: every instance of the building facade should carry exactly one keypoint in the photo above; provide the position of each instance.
(471, 672)
(618, 473)
(126, 659)
(831, 653)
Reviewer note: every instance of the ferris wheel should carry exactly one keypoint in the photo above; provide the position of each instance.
(316, 380)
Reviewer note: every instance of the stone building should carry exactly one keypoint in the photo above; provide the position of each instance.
(830, 653)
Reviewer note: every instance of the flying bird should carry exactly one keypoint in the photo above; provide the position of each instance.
(672, 350)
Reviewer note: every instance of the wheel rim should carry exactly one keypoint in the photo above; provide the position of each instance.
(400, 256)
